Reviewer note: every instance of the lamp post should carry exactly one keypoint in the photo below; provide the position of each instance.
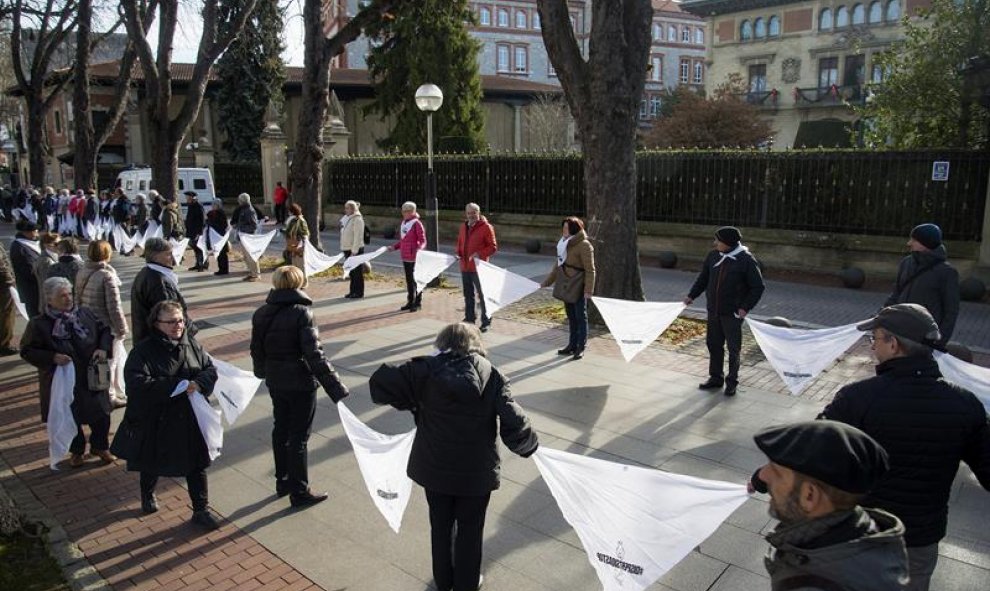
(429, 98)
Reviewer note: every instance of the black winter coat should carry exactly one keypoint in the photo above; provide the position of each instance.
(217, 219)
(936, 287)
(927, 425)
(149, 288)
(22, 260)
(67, 266)
(285, 346)
(195, 219)
(171, 443)
(732, 285)
(460, 403)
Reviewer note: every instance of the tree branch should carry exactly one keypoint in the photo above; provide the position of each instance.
(564, 52)
(138, 23)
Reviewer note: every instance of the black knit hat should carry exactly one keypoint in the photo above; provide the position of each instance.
(729, 235)
(929, 235)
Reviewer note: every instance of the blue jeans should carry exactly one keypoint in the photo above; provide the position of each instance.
(471, 283)
(577, 320)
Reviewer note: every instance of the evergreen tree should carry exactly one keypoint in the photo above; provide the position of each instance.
(428, 42)
(251, 74)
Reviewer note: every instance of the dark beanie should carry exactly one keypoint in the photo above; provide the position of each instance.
(929, 235)
(728, 235)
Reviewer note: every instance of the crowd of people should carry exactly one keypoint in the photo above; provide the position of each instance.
(861, 494)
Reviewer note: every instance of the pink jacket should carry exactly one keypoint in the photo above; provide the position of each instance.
(413, 242)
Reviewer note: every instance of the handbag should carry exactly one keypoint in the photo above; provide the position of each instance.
(569, 288)
(98, 375)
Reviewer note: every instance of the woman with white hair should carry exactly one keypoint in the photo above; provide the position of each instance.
(352, 243)
(245, 221)
(412, 239)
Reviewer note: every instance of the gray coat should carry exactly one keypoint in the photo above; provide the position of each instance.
(936, 288)
(857, 550)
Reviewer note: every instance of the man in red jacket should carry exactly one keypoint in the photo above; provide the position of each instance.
(476, 239)
(281, 198)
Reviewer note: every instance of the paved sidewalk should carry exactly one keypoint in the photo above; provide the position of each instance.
(648, 412)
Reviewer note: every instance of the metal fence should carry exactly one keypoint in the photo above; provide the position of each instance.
(233, 178)
(856, 192)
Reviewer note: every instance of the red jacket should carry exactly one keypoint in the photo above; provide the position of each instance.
(413, 242)
(475, 240)
(281, 195)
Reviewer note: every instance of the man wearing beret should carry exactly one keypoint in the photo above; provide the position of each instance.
(156, 282)
(825, 541)
(926, 424)
(925, 277)
(733, 285)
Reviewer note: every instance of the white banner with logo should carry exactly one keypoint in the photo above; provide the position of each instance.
(60, 423)
(352, 262)
(217, 241)
(178, 249)
(634, 523)
(315, 261)
(234, 390)
(207, 417)
(429, 265)
(799, 355)
(254, 244)
(501, 288)
(636, 324)
(382, 460)
(973, 377)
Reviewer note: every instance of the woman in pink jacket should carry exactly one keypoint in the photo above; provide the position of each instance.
(412, 239)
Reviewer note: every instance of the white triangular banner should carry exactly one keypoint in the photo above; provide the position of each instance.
(255, 244)
(973, 377)
(123, 242)
(636, 324)
(154, 230)
(25, 213)
(207, 418)
(235, 388)
(60, 424)
(315, 261)
(429, 265)
(217, 241)
(635, 523)
(178, 249)
(799, 355)
(89, 231)
(18, 303)
(352, 262)
(501, 288)
(382, 460)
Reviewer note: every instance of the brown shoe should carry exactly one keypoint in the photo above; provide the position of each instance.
(105, 455)
(76, 460)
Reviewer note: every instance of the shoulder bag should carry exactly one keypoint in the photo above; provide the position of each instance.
(569, 288)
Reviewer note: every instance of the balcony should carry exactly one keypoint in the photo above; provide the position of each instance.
(831, 96)
(764, 99)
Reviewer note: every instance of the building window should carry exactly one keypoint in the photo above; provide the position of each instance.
(686, 34)
(759, 28)
(893, 10)
(825, 19)
(503, 17)
(643, 109)
(655, 104)
(841, 17)
(502, 52)
(574, 23)
(828, 72)
(550, 70)
(699, 73)
(485, 17)
(671, 33)
(876, 74)
(521, 62)
(699, 36)
(758, 78)
(657, 32)
(859, 14)
(656, 68)
(685, 71)
(876, 12)
(521, 21)
(536, 20)
(773, 26)
(58, 122)
(745, 31)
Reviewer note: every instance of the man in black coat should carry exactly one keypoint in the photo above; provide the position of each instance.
(733, 285)
(925, 277)
(927, 425)
(24, 252)
(156, 282)
(195, 224)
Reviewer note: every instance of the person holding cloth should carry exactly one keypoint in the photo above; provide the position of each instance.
(475, 239)
(216, 220)
(412, 239)
(352, 243)
(733, 285)
(573, 278)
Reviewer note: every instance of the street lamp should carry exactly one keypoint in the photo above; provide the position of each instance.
(429, 98)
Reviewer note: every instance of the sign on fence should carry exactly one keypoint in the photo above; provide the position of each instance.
(940, 170)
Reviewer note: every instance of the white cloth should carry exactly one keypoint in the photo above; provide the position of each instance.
(207, 417)
(117, 366)
(562, 250)
(90, 231)
(382, 460)
(636, 324)
(154, 230)
(60, 424)
(124, 242)
(634, 523)
(217, 242)
(178, 249)
(973, 377)
(18, 303)
(315, 261)
(353, 262)
(255, 245)
(739, 249)
(235, 388)
(26, 213)
(429, 265)
(406, 226)
(51, 223)
(799, 355)
(501, 288)
(165, 272)
(32, 244)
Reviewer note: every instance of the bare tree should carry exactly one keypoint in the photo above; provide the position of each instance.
(548, 122)
(167, 132)
(603, 92)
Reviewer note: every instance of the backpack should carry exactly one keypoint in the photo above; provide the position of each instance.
(367, 235)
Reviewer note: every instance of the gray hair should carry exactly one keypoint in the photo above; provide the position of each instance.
(355, 204)
(140, 197)
(472, 207)
(244, 199)
(408, 206)
(461, 339)
(53, 285)
(907, 346)
(153, 246)
(153, 194)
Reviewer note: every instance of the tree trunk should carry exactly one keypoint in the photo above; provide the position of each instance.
(165, 163)
(85, 156)
(37, 143)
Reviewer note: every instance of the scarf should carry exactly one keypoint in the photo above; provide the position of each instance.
(562, 250)
(344, 220)
(169, 274)
(731, 255)
(65, 321)
(406, 227)
(32, 244)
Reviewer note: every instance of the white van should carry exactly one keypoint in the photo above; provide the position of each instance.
(138, 180)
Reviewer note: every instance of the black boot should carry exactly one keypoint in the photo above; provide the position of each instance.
(711, 384)
(149, 504)
(205, 519)
(307, 498)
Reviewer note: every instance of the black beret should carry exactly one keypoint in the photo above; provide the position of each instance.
(729, 235)
(835, 453)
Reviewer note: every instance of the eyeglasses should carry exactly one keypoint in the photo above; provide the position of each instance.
(172, 322)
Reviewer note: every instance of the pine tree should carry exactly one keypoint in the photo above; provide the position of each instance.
(251, 74)
(428, 42)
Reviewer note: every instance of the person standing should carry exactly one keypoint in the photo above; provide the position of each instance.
(172, 226)
(925, 277)
(733, 285)
(352, 243)
(140, 214)
(926, 424)
(573, 278)
(195, 224)
(286, 353)
(47, 258)
(156, 206)
(818, 477)
(460, 403)
(412, 239)
(296, 236)
(475, 239)
(281, 199)
(69, 262)
(98, 290)
(216, 220)
(7, 309)
(24, 253)
(245, 221)
(156, 282)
